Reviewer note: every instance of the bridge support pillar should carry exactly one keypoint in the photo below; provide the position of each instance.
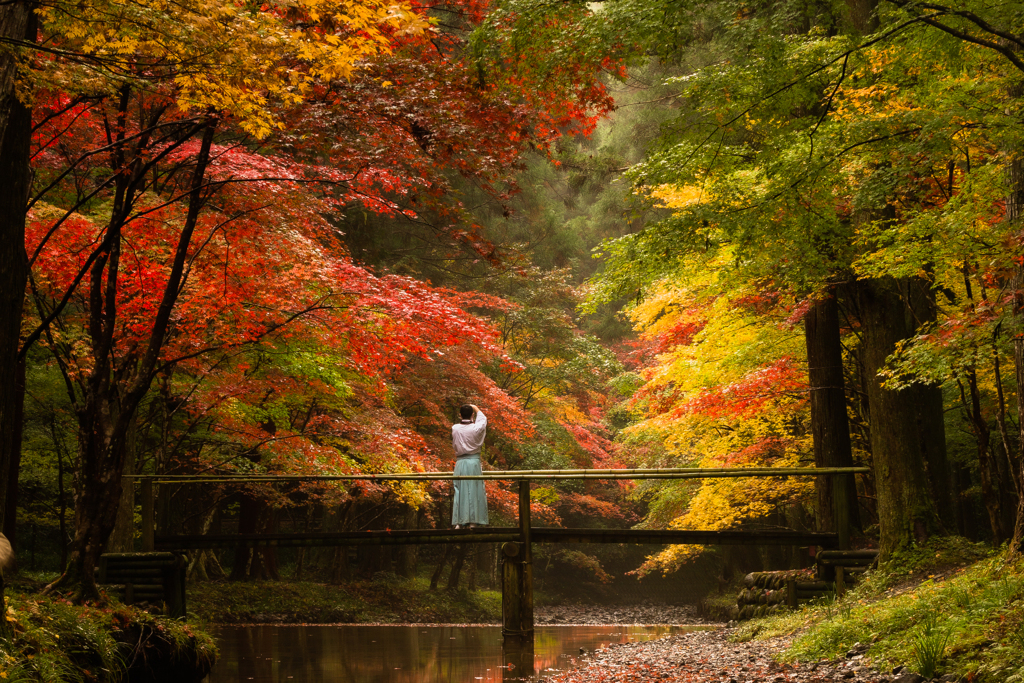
(517, 576)
(148, 516)
(841, 503)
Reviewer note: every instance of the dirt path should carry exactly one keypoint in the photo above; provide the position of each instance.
(708, 657)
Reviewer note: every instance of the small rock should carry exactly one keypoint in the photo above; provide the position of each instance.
(909, 677)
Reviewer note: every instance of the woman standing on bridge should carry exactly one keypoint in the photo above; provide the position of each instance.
(469, 506)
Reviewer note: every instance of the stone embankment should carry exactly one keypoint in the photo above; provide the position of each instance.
(709, 657)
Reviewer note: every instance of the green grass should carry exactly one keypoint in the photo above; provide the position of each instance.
(55, 640)
(385, 599)
(918, 612)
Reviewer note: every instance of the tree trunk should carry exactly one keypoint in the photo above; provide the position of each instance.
(10, 513)
(460, 561)
(15, 135)
(863, 15)
(931, 420)
(115, 385)
(905, 509)
(248, 522)
(407, 553)
(1015, 219)
(122, 538)
(436, 576)
(829, 422)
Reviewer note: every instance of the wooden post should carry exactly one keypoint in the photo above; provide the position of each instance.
(840, 581)
(526, 577)
(842, 509)
(511, 590)
(148, 518)
(517, 659)
(791, 593)
(174, 587)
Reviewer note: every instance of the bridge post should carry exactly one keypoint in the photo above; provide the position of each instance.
(841, 503)
(525, 539)
(148, 516)
(517, 577)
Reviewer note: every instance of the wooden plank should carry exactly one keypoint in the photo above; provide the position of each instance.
(501, 535)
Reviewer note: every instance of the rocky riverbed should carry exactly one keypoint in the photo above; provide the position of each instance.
(646, 613)
(709, 657)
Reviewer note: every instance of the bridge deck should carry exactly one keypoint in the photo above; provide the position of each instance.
(500, 535)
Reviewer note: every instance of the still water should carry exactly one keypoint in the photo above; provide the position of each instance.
(406, 654)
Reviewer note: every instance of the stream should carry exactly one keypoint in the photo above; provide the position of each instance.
(407, 654)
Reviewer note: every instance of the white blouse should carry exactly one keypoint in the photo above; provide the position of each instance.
(468, 438)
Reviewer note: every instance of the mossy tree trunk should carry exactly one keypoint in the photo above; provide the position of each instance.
(906, 512)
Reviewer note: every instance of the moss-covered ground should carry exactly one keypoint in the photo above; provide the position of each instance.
(54, 640)
(948, 607)
(385, 599)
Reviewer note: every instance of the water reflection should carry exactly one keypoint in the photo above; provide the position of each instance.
(405, 654)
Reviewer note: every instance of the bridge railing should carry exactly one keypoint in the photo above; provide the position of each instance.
(148, 481)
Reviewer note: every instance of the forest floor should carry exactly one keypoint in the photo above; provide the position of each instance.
(55, 640)
(950, 611)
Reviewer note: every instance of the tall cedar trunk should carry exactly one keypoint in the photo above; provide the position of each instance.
(906, 512)
(931, 421)
(863, 15)
(830, 425)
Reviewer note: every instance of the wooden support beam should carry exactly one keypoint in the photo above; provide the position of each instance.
(841, 503)
(148, 516)
(511, 590)
(499, 535)
(681, 536)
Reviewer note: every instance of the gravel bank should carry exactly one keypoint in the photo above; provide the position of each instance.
(709, 657)
(651, 614)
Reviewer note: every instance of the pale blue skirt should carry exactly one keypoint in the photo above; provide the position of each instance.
(470, 503)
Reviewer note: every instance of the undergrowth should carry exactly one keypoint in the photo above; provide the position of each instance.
(387, 598)
(55, 640)
(922, 611)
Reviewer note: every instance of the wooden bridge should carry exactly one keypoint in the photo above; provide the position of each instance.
(517, 542)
